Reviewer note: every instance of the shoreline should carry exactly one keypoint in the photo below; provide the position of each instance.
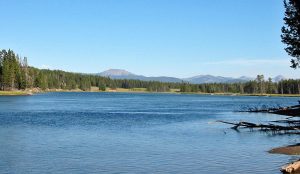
(286, 150)
(291, 150)
(134, 90)
(15, 93)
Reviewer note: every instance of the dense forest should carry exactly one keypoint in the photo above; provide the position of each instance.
(16, 74)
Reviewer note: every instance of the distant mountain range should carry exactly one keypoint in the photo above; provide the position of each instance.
(123, 74)
(216, 79)
(200, 79)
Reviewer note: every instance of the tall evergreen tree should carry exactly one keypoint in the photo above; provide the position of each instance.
(260, 81)
(291, 30)
(24, 73)
(1, 68)
(6, 71)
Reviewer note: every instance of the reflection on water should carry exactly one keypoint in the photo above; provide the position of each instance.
(135, 133)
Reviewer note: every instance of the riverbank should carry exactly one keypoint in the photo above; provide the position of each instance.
(134, 90)
(15, 93)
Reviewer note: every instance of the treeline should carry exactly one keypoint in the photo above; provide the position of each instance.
(15, 74)
(257, 86)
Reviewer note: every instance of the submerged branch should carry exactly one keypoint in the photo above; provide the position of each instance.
(291, 167)
(293, 111)
(263, 127)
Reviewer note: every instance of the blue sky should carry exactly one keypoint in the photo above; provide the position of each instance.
(178, 38)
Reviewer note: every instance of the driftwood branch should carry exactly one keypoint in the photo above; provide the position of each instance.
(263, 127)
(293, 122)
(289, 125)
(293, 111)
(291, 167)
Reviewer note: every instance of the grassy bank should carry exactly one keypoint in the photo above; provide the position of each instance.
(134, 90)
(14, 93)
(239, 94)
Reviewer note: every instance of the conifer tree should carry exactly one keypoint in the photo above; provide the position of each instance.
(291, 30)
(6, 71)
(1, 68)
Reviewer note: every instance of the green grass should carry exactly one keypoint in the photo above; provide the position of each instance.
(126, 90)
(238, 94)
(284, 95)
(10, 93)
(174, 90)
(142, 90)
(139, 89)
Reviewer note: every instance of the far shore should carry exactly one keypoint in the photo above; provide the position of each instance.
(133, 90)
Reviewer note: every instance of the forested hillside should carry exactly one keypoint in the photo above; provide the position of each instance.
(16, 74)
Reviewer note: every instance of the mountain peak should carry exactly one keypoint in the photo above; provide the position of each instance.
(115, 72)
(278, 78)
(199, 79)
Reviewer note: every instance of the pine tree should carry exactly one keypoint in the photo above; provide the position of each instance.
(24, 73)
(40, 81)
(102, 86)
(260, 81)
(291, 31)
(6, 71)
(18, 73)
(1, 68)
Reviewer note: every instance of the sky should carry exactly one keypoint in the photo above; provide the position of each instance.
(179, 38)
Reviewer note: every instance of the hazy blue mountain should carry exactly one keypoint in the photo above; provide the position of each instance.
(123, 74)
(278, 78)
(165, 79)
(115, 72)
(216, 79)
(245, 78)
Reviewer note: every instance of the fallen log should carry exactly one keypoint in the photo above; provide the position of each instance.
(288, 111)
(263, 127)
(294, 122)
(291, 167)
(288, 126)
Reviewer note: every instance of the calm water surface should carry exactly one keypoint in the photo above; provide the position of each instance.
(135, 133)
